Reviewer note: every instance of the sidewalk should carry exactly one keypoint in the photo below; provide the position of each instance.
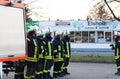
(87, 71)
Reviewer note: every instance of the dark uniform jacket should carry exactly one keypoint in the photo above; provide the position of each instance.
(41, 47)
(48, 48)
(117, 48)
(32, 48)
(58, 50)
(66, 46)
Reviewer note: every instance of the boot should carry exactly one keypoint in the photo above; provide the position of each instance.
(118, 72)
(16, 77)
(45, 76)
(67, 73)
(63, 72)
(37, 76)
(21, 76)
(49, 75)
(55, 75)
(41, 76)
(60, 74)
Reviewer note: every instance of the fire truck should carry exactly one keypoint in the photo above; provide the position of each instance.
(12, 35)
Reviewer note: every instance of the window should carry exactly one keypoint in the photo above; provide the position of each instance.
(85, 36)
(92, 37)
(72, 36)
(101, 37)
(77, 36)
(108, 36)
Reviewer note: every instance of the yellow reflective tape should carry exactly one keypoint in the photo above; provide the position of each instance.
(44, 42)
(118, 67)
(18, 73)
(49, 48)
(62, 68)
(42, 49)
(45, 71)
(25, 71)
(31, 59)
(117, 54)
(38, 73)
(35, 52)
(54, 51)
(59, 53)
(59, 47)
(114, 45)
(48, 70)
(45, 66)
(62, 42)
(55, 72)
(48, 57)
(68, 52)
(58, 59)
(32, 76)
(41, 55)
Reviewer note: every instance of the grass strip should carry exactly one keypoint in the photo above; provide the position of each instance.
(93, 59)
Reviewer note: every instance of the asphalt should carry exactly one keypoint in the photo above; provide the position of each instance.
(86, 71)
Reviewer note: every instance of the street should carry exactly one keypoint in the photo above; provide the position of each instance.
(87, 71)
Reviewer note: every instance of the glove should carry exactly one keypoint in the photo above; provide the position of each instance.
(111, 45)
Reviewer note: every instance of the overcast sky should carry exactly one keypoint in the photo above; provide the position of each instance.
(61, 9)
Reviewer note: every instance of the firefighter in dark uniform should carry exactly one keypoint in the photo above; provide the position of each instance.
(67, 54)
(32, 60)
(48, 55)
(19, 69)
(39, 72)
(116, 47)
(58, 55)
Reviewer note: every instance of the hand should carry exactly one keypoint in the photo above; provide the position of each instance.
(111, 45)
(56, 56)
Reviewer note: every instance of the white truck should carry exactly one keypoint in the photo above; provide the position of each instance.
(12, 35)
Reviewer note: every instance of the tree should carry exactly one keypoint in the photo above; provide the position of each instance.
(102, 10)
(31, 10)
(28, 11)
(27, 14)
(115, 17)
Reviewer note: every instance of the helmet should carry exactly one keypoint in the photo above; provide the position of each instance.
(40, 33)
(115, 32)
(118, 33)
(47, 32)
(57, 33)
(65, 33)
(33, 28)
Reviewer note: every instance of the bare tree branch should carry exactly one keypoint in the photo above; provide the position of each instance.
(117, 0)
(111, 11)
(102, 3)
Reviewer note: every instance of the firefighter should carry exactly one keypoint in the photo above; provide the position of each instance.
(67, 54)
(32, 61)
(116, 47)
(19, 69)
(39, 72)
(58, 55)
(48, 55)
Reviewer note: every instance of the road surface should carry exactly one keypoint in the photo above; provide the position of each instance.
(87, 71)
